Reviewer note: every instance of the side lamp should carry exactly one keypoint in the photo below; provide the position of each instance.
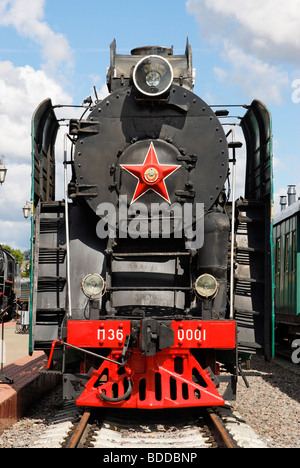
(3, 171)
(26, 210)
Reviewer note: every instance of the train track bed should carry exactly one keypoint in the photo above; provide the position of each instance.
(113, 433)
(186, 429)
(167, 430)
(271, 404)
(266, 415)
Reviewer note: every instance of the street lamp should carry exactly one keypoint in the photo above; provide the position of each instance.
(26, 210)
(3, 171)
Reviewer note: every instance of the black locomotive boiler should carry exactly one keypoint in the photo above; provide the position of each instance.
(148, 283)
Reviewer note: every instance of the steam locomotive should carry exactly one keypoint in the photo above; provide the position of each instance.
(148, 284)
(10, 285)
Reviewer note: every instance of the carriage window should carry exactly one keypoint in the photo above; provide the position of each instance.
(278, 255)
(293, 248)
(286, 252)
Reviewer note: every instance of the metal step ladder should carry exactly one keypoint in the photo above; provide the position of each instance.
(50, 280)
(250, 274)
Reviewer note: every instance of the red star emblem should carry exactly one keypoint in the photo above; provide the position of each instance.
(151, 175)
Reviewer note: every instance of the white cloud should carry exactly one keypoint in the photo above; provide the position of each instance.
(257, 78)
(15, 230)
(24, 88)
(268, 27)
(256, 38)
(16, 234)
(21, 90)
(28, 19)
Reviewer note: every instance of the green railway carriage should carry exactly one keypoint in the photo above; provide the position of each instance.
(287, 267)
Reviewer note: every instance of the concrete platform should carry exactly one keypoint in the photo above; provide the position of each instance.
(28, 383)
(16, 345)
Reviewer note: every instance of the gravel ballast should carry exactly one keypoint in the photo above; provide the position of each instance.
(271, 404)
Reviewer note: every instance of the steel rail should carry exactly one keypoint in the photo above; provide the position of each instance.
(78, 431)
(221, 431)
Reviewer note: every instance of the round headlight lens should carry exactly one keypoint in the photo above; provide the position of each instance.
(206, 286)
(153, 75)
(93, 285)
(153, 78)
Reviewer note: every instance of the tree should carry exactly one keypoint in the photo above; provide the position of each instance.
(27, 262)
(27, 254)
(15, 253)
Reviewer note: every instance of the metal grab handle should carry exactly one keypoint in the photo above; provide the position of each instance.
(68, 345)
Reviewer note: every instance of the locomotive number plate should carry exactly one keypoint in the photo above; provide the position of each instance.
(204, 334)
(95, 334)
(110, 334)
(189, 334)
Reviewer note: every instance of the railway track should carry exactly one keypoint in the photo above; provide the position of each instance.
(185, 430)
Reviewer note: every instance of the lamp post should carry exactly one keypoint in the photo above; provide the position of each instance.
(3, 171)
(26, 210)
(3, 378)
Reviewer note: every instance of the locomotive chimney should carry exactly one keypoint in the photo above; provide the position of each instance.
(153, 50)
(283, 202)
(291, 194)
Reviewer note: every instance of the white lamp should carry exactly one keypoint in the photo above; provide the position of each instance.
(3, 171)
(26, 210)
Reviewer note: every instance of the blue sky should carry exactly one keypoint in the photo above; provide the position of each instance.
(60, 49)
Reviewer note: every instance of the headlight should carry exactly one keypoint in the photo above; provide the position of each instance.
(153, 79)
(206, 286)
(153, 75)
(93, 285)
